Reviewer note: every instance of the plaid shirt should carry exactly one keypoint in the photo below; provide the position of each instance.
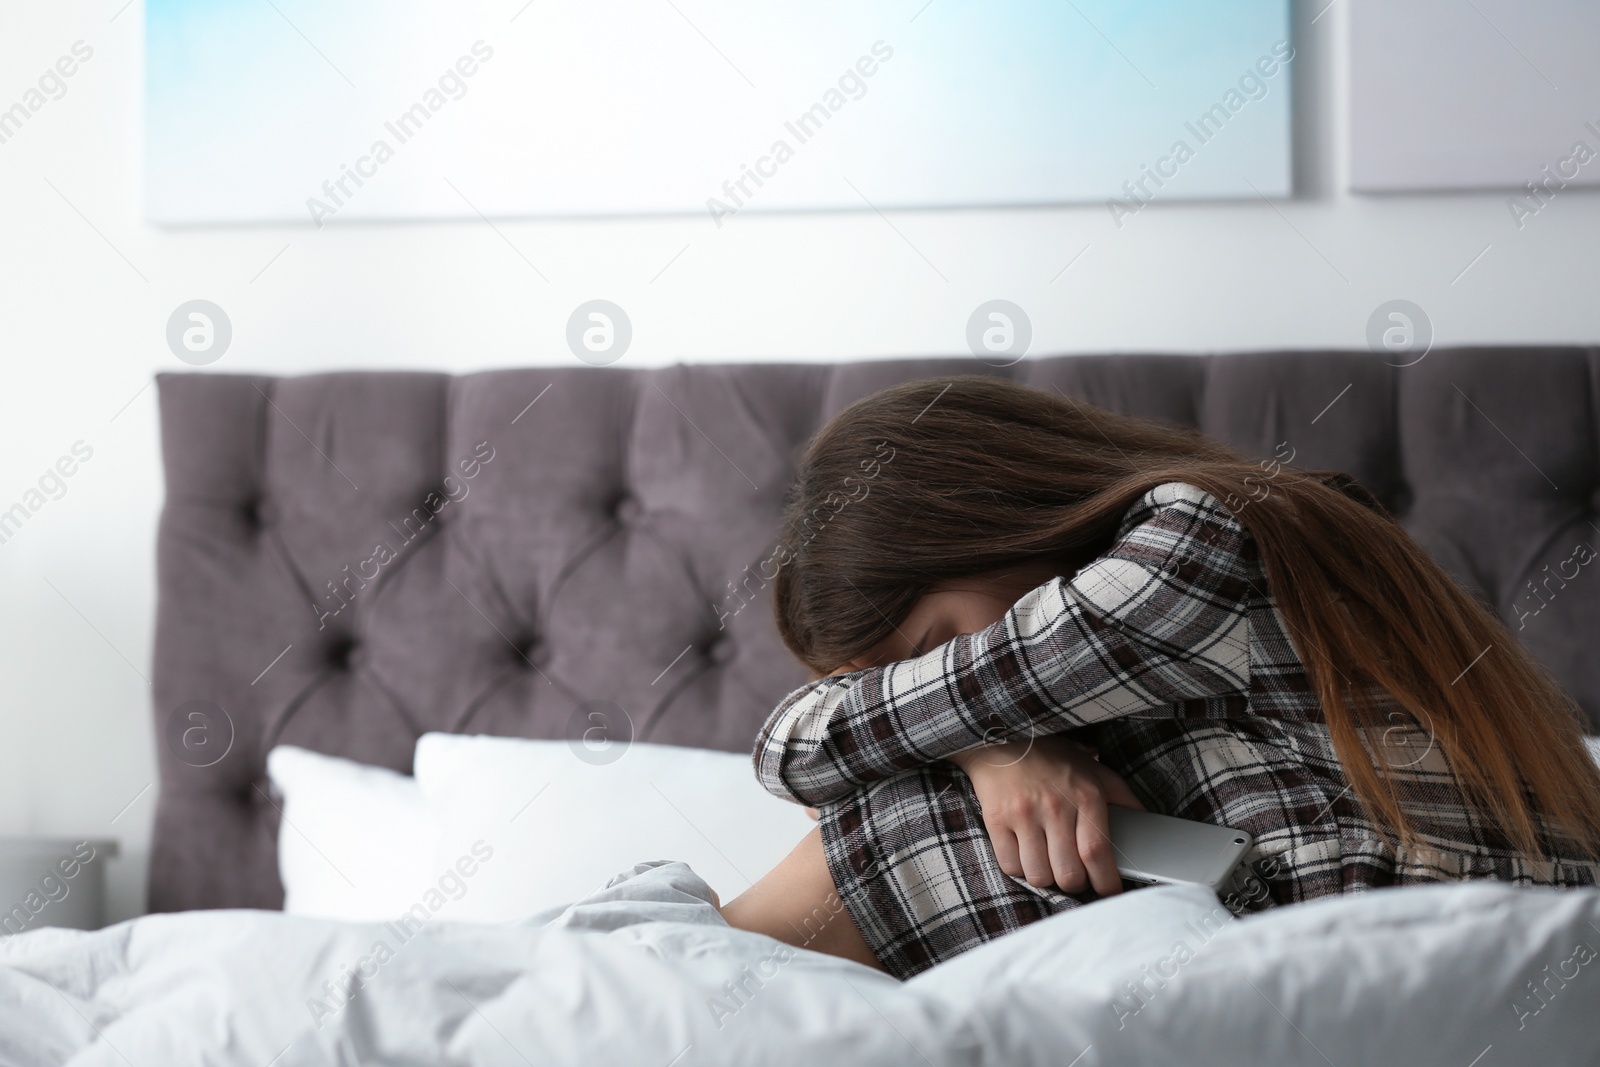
(1170, 656)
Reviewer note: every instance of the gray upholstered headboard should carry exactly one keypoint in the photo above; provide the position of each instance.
(322, 583)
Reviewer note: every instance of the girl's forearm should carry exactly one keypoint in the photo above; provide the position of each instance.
(833, 736)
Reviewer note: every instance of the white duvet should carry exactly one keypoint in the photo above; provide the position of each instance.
(645, 973)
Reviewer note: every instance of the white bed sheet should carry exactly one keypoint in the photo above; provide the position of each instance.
(644, 972)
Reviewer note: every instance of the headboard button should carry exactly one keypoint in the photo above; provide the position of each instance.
(343, 654)
(1400, 499)
(720, 650)
(431, 510)
(627, 510)
(530, 653)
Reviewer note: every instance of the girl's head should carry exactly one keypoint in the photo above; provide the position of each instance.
(958, 484)
(917, 511)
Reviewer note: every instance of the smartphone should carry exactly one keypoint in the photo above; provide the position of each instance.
(1156, 849)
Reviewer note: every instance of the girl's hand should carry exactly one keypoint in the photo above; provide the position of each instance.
(1044, 805)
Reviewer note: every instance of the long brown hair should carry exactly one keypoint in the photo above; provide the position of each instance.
(949, 477)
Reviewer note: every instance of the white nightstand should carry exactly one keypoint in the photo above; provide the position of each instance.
(52, 882)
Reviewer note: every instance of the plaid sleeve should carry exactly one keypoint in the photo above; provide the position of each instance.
(1158, 620)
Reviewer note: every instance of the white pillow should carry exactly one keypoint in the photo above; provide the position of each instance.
(1594, 747)
(560, 826)
(356, 842)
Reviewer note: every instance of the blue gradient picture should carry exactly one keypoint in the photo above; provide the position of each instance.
(323, 113)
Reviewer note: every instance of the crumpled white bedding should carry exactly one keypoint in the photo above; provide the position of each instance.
(645, 973)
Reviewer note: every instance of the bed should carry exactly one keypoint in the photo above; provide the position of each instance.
(601, 552)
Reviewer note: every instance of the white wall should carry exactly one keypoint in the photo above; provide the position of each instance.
(81, 332)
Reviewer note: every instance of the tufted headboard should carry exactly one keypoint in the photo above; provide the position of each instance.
(348, 560)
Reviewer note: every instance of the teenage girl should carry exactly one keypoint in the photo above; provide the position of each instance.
(1021, 608)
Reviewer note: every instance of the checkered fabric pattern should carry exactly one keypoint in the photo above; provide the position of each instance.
(1170, 656)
